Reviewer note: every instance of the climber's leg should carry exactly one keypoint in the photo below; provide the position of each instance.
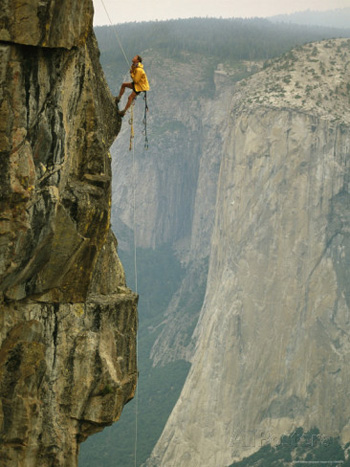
(122, 90)
(128, 104)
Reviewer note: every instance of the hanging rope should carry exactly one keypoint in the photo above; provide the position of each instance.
(145, 121)
(136, 287)
(145, 93)
(131, 123)
(132, 146)
(115, 32)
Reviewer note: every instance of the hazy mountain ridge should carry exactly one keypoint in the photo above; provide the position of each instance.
(338, 18)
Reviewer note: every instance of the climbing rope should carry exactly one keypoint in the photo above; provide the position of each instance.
(145, 121)
(145, 94)
(136, 288)
(131, 123)
(132, 146)
(115, 32)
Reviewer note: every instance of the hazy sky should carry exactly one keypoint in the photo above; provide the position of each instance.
(148, 10)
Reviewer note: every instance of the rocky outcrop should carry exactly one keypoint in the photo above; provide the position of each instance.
(68, 321)
(272, 340)
(48, 23)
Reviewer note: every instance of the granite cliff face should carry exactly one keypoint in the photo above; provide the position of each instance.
(272, 350)
(176, 181)
(68, 321)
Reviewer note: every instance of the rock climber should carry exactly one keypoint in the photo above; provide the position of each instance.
(139, 83)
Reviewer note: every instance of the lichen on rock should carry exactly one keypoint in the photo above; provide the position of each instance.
(68, 320)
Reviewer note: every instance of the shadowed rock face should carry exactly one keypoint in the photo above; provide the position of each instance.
(68, 321)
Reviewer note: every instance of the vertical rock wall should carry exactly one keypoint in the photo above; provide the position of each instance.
(273, 347)
(68, 321)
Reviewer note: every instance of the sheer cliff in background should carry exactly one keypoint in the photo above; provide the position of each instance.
(68, 321)
(272, 346)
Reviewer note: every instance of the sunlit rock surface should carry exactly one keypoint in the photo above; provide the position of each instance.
(46, 23)
(68, 321)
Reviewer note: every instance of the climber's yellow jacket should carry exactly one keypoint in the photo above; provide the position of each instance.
(139, 78)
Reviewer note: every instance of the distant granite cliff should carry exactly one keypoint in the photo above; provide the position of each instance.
(272, 342)
(176, 181)
(68, 321)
